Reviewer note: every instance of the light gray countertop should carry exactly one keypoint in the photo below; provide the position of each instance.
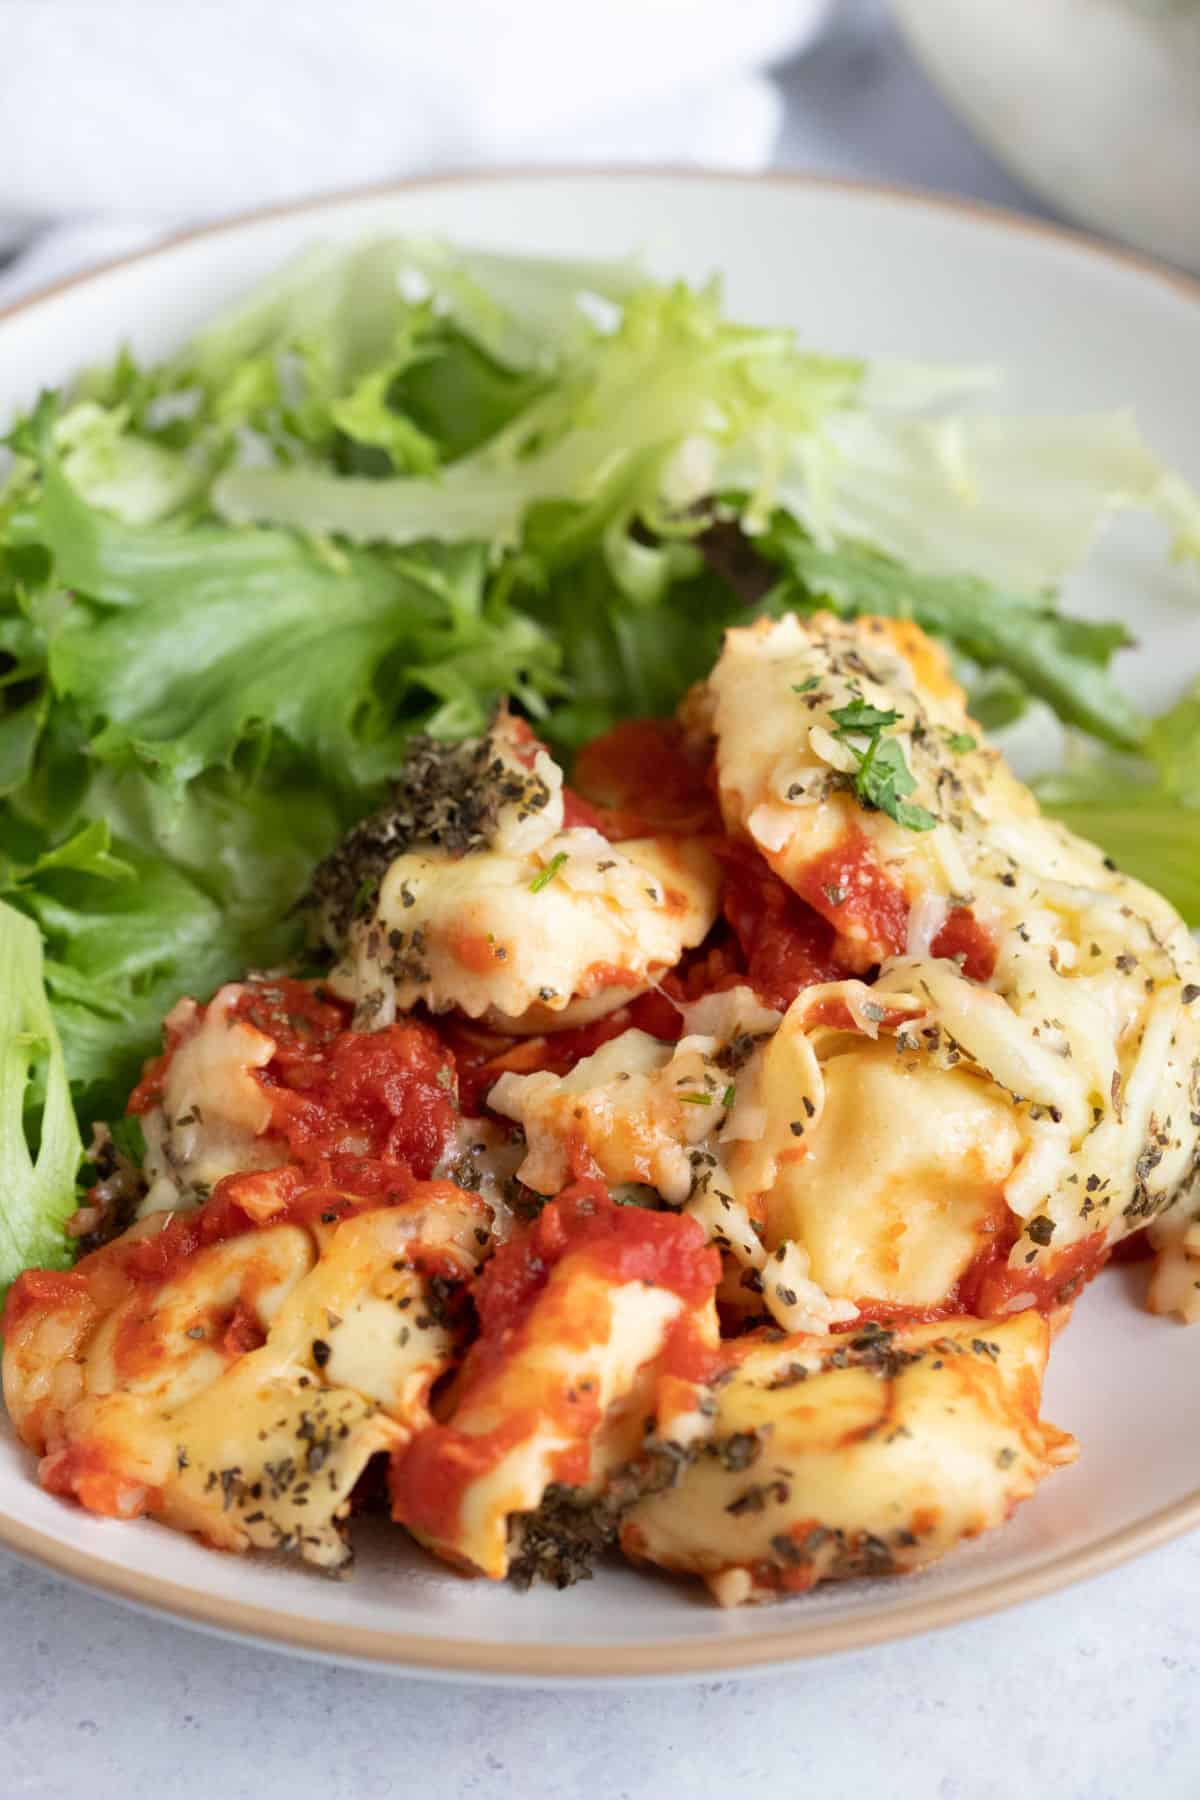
(1090, 1694)
(1087, 1695)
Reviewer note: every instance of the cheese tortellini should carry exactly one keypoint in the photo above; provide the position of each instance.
(835, 1457)
(241, 1393)
(562, 1389)
(473, 893)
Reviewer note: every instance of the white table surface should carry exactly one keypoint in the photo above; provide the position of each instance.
(1091, 1694)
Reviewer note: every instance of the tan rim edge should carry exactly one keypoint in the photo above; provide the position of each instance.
(602, 1662)
(924, 198)
(595, 1662)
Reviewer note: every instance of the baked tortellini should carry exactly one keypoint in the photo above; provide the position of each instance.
(867, 1455)
(473, 891)
(695, 1164)
(590, 1330)
(238, 1388)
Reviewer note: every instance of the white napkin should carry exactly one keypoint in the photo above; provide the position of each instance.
(122, 119)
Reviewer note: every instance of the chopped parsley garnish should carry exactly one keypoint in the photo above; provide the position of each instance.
(960, 742)
(883, 778)
(806, 687)
(545, 876)
(861, 716)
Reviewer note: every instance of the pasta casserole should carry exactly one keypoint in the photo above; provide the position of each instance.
(693, 1161)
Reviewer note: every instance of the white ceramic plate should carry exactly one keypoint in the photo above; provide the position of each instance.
(853, 270)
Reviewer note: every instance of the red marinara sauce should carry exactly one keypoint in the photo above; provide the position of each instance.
(989, 1285)
(644, 778)
(786, 945)
(365, 1116)
(964, 939)
(389, 1095)
(628, 1243)
(40, 1290)
(849, 886)
(430, 1477)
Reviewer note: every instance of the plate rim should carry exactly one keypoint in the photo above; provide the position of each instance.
(605, 1662)
(588, 1663)
(902, 193)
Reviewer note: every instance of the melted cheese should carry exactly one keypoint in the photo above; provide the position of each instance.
(637, 1106)
(1082, 1030)
(272, 1459)
(833, 1457)
(662, 1116)
(369, 1309)
(214, 1116)
(784, 777)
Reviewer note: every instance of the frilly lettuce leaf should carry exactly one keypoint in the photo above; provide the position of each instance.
(40, 1146)
(187, 644)
(522, 311)
(154, 899)
(1014, 501)
(626, 404)
(1144, 810)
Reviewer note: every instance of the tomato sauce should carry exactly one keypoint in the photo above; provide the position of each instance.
(365, 1117)
(430, 1477)
(157, 1257)
(624, 1244)
(1133, 1249)
(786, 945)
(84, 1472)
(389, 1094)
(689, 1355)
(850, 887)
(989, 1284)
(302, 1017)
(627, 1242)
(963, 937)
(243, 1332)
(41, 1290)
(646, 779)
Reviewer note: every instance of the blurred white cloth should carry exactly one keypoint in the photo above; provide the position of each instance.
(120, 119)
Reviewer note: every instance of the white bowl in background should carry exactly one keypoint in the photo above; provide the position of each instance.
(1095, 103)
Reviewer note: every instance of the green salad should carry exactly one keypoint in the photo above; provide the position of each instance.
(401, 480)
